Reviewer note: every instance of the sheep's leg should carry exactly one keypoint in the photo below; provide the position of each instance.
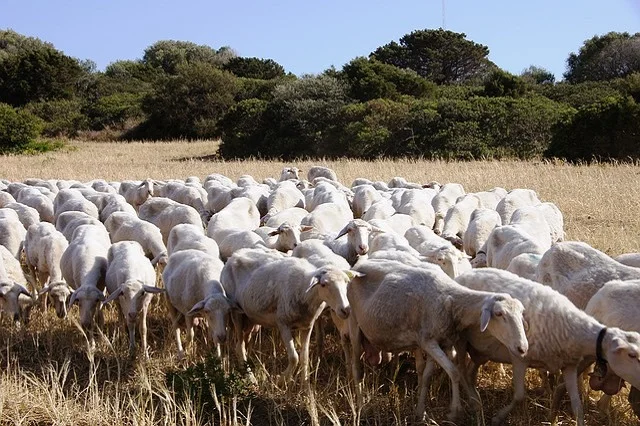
(319, 327)
(292, 355)
(305, 337)
(131, 326)
(519, 370)
(468, 378)
(434, 351)
(175, 324)
(424, 369)
(355, 335)
(189, 332)
(560, 390)
(143, 331)
(570, 375)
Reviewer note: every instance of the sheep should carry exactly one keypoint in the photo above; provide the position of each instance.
(532, 220)
(629, 259)
(399, 223)
(239, 214)
(381, 209)
(578, 271)
(505, 243)
(104, 186)
(12, 233)
(443, 201)
(218, 178)
(236, 239)
(316, 171)
(84, 265)
(114, 203)
(15, 299)
(395, 307)
(80, 204)
(417, 204)
(490, 199)
(192, 283)
(187, 236)
(560, 336)
(293, 216)
(41, 203)
(288, 237)
(481, 223)
(186, 194)
(6, 198)
(326, 193)
(259, 194)
(615, 305)
(131, 279)
(218, 197)
(325, 220)
(457, 219)
(27, 215)
(515, 199)
(289, 173)
(356, 244)
(386, 241)
(525, 265)
(124, 226)
(437, 250)
(284, 196)
(68, 222)
(165, 214)
(400, 182)
(364, 196)
(135, 192)
(289, 294)
(43, 249)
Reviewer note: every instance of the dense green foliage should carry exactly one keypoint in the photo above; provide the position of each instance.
(18, 128)
(432, 93)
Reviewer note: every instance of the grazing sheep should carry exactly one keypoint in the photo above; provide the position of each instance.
(12, 233)
(364, 196)
(554, 218)
(79, 204)
(258, 193)
(43, 249)
(325, 220)
(560, 337)
(505, 243)
(192, 283)
(629, 259)
(165, 214)
(381, 209)
(135, 192)
(289, 294)
(124, 226)
(218, 197)
(284, 196)
(400, 182)
(385, 241)
(187, 236)
(515, 199)
(481, 223)
(68, 222)
(289, 173)
(443, 201)
(437, 250)
(41, 203)
(218, 178)
(417, 204)
(396, 307)
(131, 279)
(531, 219)
(399, 223)
(578, 271)
(188, 195)
(525, 265)
(490, 199)
(457, 219)
(239, 214)
(320, 171)
(293, 216)
(12, 288)
(84, 265)
(27, 215)
(6, 198)
(237, 239)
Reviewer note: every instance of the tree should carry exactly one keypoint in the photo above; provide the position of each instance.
(169, 55)
(502, 83)
(441, 56)
(190, 103)
(263, 69)
(537, 75)
(371, 79)
(18, 128)
(605, 57)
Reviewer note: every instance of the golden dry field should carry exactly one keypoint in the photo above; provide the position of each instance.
(47, 378)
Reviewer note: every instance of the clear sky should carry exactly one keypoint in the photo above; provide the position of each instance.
(307, 36)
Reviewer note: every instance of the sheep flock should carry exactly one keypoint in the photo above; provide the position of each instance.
(426, 271)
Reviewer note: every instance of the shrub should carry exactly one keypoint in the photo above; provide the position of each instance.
(502, 83)
(244, 131)
(115, 110)
(18, 128)
(61, 117)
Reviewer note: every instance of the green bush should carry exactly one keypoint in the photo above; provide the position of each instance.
(502, 83)
(606, 130)
(579, 95)
(61, 117)
(244, 131)
(115, 110)
(18, 128)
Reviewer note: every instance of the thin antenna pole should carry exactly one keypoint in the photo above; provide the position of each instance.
(443, 16)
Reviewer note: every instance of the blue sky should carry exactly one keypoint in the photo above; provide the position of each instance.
(310, 36)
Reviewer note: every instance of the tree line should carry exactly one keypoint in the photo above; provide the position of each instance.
(432, 93)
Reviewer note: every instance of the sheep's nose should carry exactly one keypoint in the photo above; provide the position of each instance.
(16, 317)
(222, 337)
(132, 316)
(295, 245)
(345, 311)
(522, 350)
(363, 248)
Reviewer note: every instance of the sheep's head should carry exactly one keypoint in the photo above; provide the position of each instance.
(88, 299)
(331, 286)
(288, 236)
(480, 261)
(452, 261)
(455, 240)
(503, 317)
(58, 292)
(217, 310)
(289, 173)
(133, 297)
(621, 349)
(357, 232)
(10, 292)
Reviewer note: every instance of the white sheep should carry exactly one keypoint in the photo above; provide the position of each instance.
(400, 182)
(43, 249)
(12, 233)
(560, 336)
(288, 294)
(399, 223)
(80, 204)
(187, 236)
(131, 279)
(381, 209)
(481, 223)
(417, 204)
(27, 215)
(443, 201)
(532, 220)
(236, 239)
(578, 271)
(165, 214)
(395, 307)
(289, 173)
(218, 178)
(505, 243)
(84, 265)
(35, 199)
(240, 214)
(135, 192)
(68, 222)
(364, 196)
(6, 198)
(629, 259)
(515, 199)
(192, 283)
(490, 199)
(321, 171)
(258, 193)
(325, 220)
(124, 226)
(525, 265)
(284, 196)
(437, 250)
(15, 299)
(189, 195)
(293, 216)
(218, 196)
(287, 237)
(457, 219)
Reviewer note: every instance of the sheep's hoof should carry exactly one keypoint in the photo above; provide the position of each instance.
(181, 356)
(455, 416)
(496, 421)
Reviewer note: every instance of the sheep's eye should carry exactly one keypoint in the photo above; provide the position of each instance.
(632, 355)
(498, 314)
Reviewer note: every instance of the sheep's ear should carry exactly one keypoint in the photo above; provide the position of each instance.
(354, 274)
(343, 231)
(197, 309)
(160, 258)
(315, 280)
(525, 324)
(152, 289)
(45, 289)
(72, 299)
(113, 295)
(305, 228)
(484, 319)
(23, 290)
(101, 297)
(274, 233)
(618, 344)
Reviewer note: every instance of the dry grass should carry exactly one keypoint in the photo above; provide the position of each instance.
(47, 379)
